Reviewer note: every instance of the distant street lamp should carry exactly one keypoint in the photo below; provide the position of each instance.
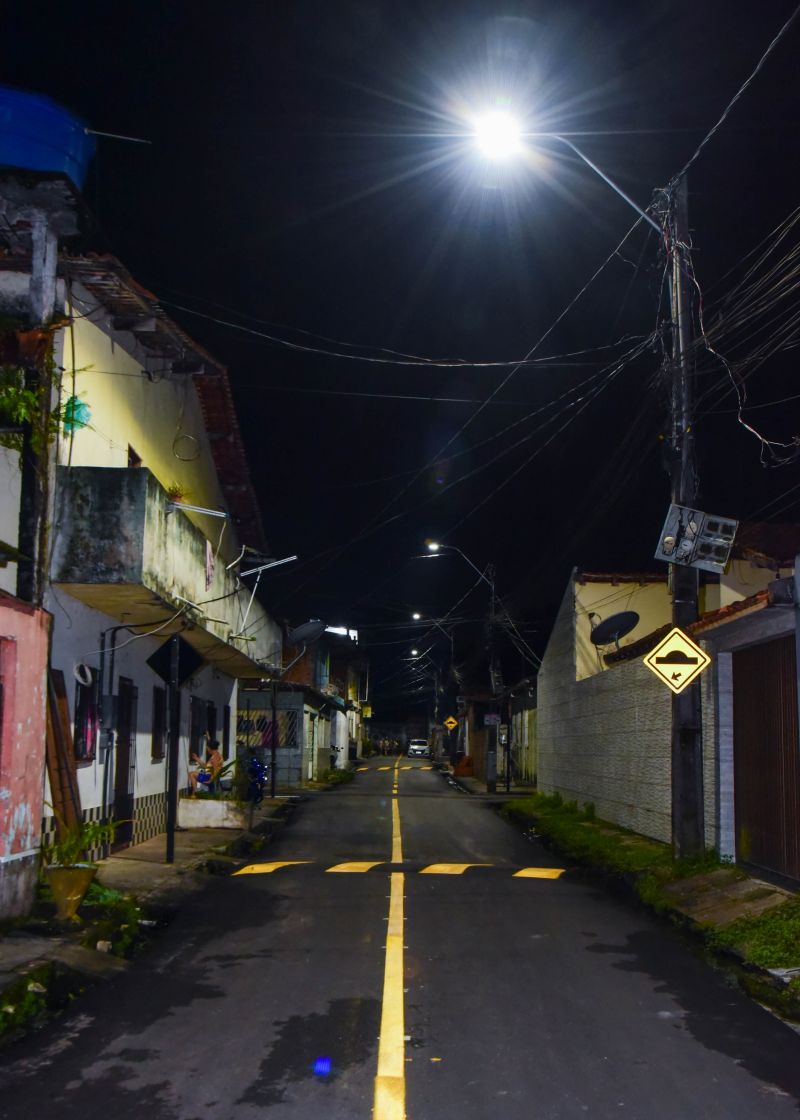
(436, 549)
(417, 617)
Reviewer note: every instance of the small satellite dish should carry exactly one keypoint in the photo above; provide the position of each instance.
(613, 628)
(306, 633)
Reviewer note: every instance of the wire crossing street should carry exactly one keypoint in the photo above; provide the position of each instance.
(401, 951)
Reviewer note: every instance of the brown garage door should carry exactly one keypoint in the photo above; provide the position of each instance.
(767, 771)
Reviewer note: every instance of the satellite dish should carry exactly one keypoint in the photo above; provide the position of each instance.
(308, 632)
(613, 628)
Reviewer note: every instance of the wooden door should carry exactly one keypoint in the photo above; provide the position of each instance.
(767, 769)
(125, 769)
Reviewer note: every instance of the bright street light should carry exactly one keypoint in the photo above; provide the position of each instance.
(498, 135)
(415, 653)
(416, 616)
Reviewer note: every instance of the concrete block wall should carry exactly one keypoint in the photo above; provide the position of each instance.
(606, 739)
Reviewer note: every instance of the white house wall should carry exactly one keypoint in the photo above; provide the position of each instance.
(77, 640)
(10, 478)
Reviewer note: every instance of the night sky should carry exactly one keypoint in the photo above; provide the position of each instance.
(310, 177)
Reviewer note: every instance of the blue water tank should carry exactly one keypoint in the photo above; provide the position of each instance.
(36, 134)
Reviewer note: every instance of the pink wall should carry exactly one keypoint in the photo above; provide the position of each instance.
(24, 649)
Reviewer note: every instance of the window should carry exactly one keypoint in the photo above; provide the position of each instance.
(87, 723)
(197, 728)
(159, 727)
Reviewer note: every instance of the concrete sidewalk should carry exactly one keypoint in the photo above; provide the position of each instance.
(30, 948)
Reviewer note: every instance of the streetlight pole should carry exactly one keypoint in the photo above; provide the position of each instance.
(686, 740)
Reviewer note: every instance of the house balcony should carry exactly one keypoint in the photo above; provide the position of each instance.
(122, 549)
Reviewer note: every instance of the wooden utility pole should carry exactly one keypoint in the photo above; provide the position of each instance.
(687, 744)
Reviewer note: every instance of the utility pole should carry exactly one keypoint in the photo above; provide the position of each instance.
(688, 833)
(173, 744)
(491, 731)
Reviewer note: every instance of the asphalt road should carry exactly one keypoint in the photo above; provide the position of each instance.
(406, 984)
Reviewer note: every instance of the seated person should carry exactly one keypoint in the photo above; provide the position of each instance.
(209, 768)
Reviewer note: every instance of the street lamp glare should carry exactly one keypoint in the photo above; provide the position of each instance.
(415, 653)
(416, 616)
(498, 135)
(433, 546)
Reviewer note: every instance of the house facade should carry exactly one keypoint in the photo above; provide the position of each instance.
(146, 508)
(604, 720)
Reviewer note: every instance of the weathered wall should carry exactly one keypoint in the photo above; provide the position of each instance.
(115, 529)
(158, 416)
(24, 638)
(606, 739)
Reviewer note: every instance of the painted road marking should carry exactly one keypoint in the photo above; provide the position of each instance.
(450, 868)
(389, 1102)
(355, 865)
(397, 839)
(361, 769)
(384, 767)
(363, 866)
(426, 768)
(268, 868)
(539, 873)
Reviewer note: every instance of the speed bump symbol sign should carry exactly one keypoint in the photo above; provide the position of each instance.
(677, 660)
(450, 723)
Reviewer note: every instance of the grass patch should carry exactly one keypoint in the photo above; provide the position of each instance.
(111, 916)
(337, 777)
(771, 940)
(647, 864)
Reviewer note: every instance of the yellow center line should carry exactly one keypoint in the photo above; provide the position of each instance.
(389, 1101)
(397, 839)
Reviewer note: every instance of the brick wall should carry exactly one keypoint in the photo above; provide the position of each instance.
(606, 739)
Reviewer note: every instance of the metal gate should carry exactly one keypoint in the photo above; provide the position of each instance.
(254, 732)
(766, 765)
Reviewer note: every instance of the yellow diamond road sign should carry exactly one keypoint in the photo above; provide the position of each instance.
(677, 660)
(450, 723)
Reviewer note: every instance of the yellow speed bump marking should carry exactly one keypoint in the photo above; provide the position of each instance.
(539, 873)
(426, 768)
(384, 767)
(360, 769)
(389, 1102)
(355, 865)
(268, 868)
(450, 868)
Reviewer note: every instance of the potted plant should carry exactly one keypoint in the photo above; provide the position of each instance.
(66, 866)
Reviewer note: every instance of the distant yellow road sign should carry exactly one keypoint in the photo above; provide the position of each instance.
(450, 723)
(677, 660)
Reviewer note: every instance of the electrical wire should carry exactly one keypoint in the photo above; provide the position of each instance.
(728, 108)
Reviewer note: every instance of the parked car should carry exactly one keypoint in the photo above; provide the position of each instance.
(418, 748)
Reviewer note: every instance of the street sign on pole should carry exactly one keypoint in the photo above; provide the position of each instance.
(491, 719)
(450, 723)
(677, 660)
